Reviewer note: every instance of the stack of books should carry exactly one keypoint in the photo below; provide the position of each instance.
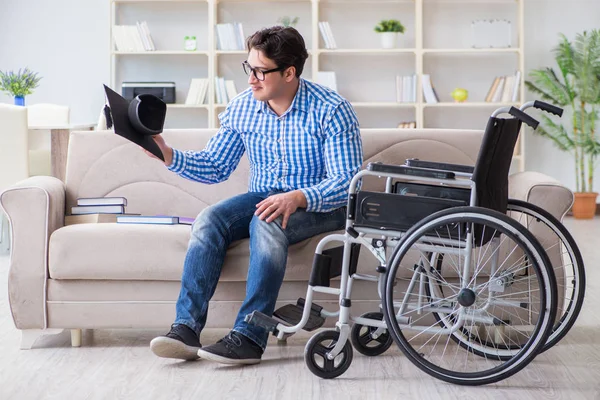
(154, 219)
(96, 210)
(225, 90)
(429, 92)
(504, 89)
(230, 36)
(197, 92)
(133, 37)
(327, 35)
(406, 89)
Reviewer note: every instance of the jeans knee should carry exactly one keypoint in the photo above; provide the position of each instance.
(208, 223)
(268, 237)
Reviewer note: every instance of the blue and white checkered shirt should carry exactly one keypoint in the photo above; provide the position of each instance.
(315, 146)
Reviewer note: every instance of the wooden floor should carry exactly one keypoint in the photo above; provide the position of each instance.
(118, 364)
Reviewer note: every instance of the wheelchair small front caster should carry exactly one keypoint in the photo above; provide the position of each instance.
(364, 342)
(315, 355)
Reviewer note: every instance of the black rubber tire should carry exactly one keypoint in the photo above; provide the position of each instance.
(567, 319)
(316, 347)
(361, 341)
(548, 296)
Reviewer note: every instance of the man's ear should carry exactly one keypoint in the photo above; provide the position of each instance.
(289, 74)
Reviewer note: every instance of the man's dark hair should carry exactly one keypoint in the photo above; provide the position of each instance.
(284, 45)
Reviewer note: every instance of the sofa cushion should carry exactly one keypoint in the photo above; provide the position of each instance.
(149, 252)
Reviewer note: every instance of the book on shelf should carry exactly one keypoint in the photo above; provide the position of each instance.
(327, 35)
(154, 219)
(92, 218)
(133, 38)
(225, 90)
(197, 92)
(327, 79)
(230, 36)
(504, 89)
(406, 89)
(100, 201)
(428, 91)
(100, 209)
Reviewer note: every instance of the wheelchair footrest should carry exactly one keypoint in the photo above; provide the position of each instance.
(259, 319)
(292, 314)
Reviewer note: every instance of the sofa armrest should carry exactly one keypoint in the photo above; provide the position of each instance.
(541, 190)
(35, 208)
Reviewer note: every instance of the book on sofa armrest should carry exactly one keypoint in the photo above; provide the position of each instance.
(77, 210)
(102, 201)
(92, 218)
(148, 219)
(154, 219)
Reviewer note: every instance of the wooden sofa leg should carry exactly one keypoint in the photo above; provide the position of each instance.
(29, 336)
(75, 337)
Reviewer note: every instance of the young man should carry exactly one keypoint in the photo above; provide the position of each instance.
(304, 146)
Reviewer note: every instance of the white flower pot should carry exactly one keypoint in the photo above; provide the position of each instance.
(389, 39)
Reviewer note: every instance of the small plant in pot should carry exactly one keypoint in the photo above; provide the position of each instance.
(576, 88)
(389, 30)
(19, 84)
(288, 21)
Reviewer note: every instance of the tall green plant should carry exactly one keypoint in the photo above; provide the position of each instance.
(576, 87)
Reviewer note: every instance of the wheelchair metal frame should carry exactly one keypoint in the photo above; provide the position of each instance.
(380, 240)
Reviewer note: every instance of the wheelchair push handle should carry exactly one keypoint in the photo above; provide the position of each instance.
(523, 117)
(552, 109)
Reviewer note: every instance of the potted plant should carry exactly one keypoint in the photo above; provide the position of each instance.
(288, 21)
(19, 84)
(576, 88)
(389, 30)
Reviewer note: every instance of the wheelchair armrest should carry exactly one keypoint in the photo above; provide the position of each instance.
(415, 162)
(414, 171)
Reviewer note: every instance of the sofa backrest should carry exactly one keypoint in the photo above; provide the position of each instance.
(102, 164)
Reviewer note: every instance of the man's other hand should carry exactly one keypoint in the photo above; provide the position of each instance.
(166, 150)
(284, 204)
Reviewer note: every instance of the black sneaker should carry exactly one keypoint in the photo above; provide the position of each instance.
(234, 348)
(181, 342)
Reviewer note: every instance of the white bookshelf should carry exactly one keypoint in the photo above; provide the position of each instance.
(436, 42)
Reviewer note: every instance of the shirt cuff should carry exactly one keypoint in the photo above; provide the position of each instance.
(314, 200)
(178, 162)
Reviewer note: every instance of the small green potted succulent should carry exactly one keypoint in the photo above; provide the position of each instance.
(288, 21)
(389, 30)
(19, 84)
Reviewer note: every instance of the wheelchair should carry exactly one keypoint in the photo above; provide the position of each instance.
(469, 293)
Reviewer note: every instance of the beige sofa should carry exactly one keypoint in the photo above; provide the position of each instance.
(96, 276)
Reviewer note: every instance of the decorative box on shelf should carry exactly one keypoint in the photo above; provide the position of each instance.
(491, 33)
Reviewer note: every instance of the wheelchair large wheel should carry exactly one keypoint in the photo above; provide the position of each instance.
(566, 260)
(495, 288)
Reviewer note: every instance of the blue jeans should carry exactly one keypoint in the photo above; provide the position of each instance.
(233, 219)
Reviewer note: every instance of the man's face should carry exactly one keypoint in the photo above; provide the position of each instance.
(273, 83)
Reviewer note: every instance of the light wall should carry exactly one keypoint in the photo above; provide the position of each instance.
(67, 41)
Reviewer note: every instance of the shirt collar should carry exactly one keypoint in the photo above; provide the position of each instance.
(299, 103)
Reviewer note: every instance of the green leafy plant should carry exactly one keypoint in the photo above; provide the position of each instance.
(389, 25)
(576, 88)
(21, 83)
(288, 21)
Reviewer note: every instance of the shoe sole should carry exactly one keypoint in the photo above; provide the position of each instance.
(170, 348)
(206, 355)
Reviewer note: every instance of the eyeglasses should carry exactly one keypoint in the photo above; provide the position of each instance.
(259, 73)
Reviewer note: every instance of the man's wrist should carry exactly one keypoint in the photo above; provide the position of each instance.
(168, 155)
(301, 199)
